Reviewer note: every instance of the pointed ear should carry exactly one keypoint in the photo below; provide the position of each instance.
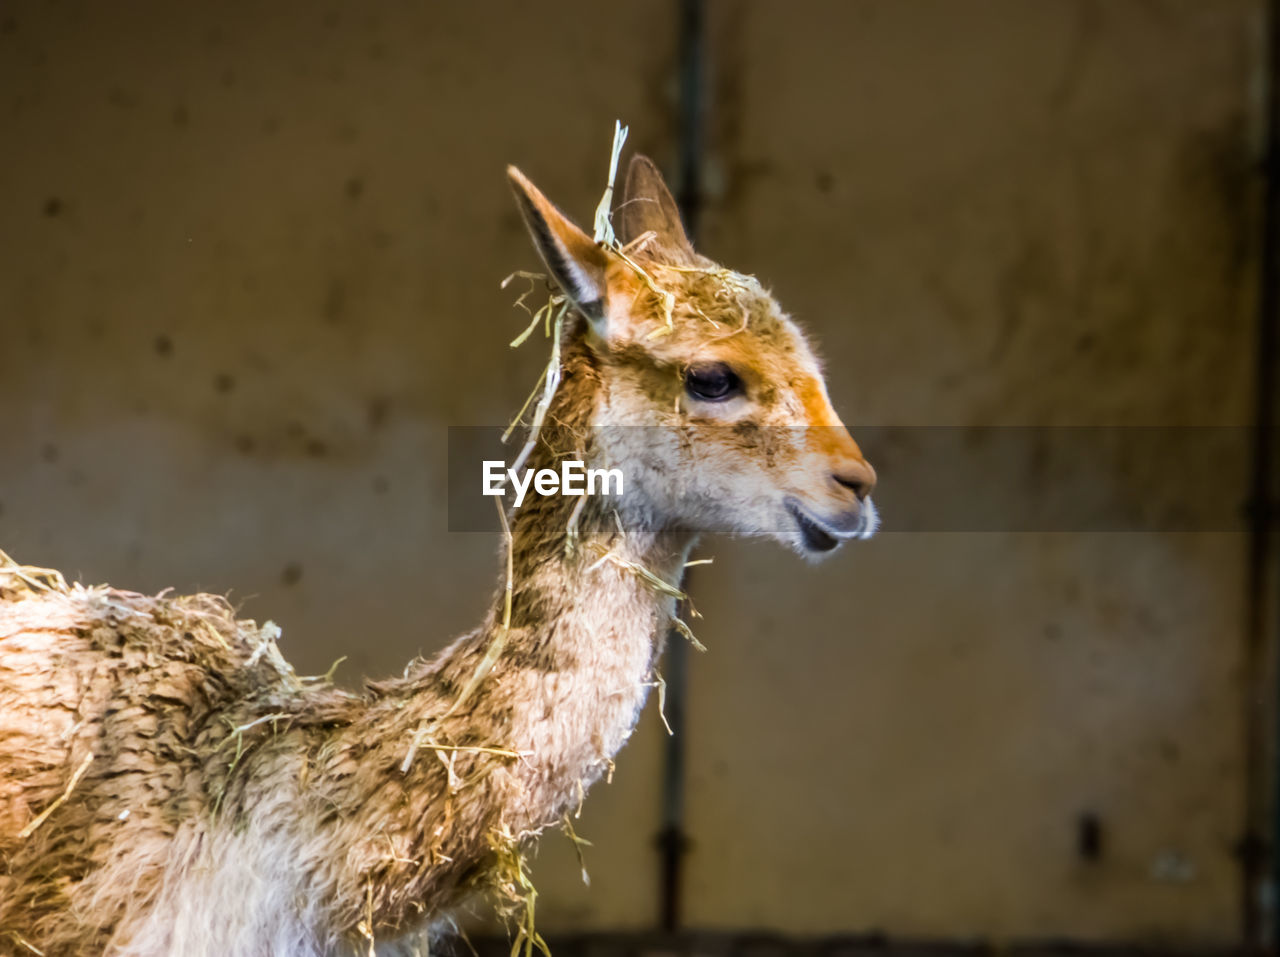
(648, 205)
(577, 263)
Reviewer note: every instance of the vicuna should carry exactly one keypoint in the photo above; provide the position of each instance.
(169, 786)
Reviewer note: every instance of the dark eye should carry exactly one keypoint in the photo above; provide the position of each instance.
(714, 382)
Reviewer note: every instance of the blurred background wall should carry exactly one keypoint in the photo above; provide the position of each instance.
(251, 263)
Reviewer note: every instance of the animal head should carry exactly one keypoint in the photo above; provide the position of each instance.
(704, 391)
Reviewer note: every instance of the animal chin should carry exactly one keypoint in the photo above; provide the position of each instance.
(816, 537)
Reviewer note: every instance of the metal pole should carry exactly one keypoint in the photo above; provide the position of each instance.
(672, 840)
(1258, 859)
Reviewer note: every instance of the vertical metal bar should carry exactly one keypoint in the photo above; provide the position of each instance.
(692, 106)
(1259, 861)
(672, 840)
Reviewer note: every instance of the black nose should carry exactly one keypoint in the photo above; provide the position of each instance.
(858, 478)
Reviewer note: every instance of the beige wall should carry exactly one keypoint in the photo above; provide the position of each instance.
(252, 257)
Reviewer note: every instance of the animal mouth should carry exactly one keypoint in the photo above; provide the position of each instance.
(823, 536)
(817, 536)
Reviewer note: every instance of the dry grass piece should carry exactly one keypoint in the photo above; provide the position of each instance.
(43, 816)
(513, 885)
(29, 578)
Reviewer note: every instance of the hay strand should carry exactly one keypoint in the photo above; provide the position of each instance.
(35, 579)
(604, 211)
(30, 829)
(26, 944)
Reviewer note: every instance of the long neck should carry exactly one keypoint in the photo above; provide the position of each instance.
(501, 735)
(579, 656)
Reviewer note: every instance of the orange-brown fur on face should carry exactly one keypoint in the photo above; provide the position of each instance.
(732, 465)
